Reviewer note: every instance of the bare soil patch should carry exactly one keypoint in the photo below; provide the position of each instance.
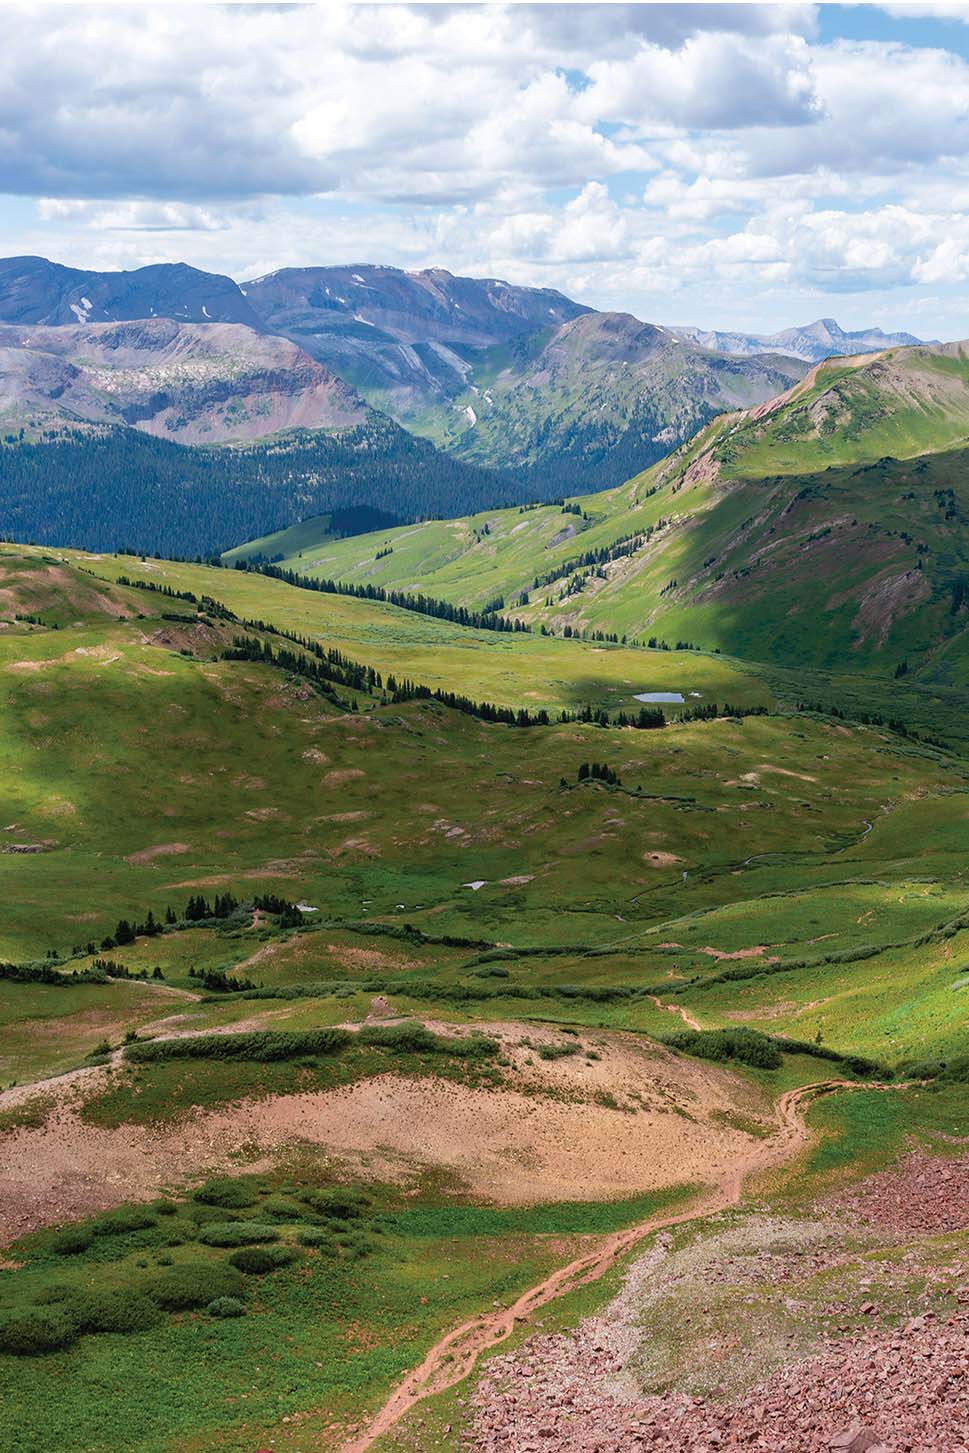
(161, 850)
(552, 1133)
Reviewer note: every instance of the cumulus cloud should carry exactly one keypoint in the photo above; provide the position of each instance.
(655, 157)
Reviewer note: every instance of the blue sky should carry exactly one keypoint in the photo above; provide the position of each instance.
(747, 166)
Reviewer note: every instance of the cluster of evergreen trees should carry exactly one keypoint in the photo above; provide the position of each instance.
(103, 490)
(198, 908)
(425, 605)
(404, 690)
(110, 969)
(590, 559)
(648, 718)
(869, 718)
(598, 772)
(322, 666)
(159, 589)
(216, 981)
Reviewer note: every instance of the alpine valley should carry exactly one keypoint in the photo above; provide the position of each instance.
(484, 798)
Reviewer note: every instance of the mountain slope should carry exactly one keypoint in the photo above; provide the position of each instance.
(35, 290)
(400, 336)
(813, 343)
(508, 377)
(598, 399)
(787, 533)
(190, 382)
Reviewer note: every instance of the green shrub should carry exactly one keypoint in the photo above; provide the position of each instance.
(557, 1051)
(953, 1071)
(113, 1310)
(193, 1284)
(279, 1208)
(339, 1202)
(72, 1241)
(226, 1307)
(164, 1208)
(745, 1045)
(258, 1260)
(318, 1237)
(228, 1193)
(126, 1218)
(237, 1233)
(415, 1039)
(35, 1330)
(263, 1045)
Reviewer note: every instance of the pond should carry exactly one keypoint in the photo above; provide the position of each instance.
(659, 696)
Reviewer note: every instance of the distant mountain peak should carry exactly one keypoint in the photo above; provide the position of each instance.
(36, 290)
(811, 342)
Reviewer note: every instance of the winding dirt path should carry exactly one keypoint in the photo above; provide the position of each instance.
(455, 1354)
(685, 1015)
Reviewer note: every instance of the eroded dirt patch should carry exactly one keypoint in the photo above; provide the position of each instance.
(553, 1132)
(161, 850)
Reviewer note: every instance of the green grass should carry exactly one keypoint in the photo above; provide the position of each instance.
(824, 891)
(829, 535)
(332, 1330)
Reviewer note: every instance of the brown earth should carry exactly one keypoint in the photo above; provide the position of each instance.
(573, 1128)
(454, 1356)
(163, 850)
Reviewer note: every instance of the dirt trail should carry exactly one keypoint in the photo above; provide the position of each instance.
(685, 1015)
(454, 1356)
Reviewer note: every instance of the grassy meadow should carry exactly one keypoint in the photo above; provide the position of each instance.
(786, 874)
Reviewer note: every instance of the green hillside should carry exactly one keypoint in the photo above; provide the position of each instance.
(827, 530)
(594, 400)
(445, 1069)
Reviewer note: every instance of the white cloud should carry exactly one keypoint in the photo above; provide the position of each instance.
(705, 160)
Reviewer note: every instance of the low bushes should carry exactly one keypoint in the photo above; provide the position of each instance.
(226, 1307)
(318, 1237)
(72, 1241)
(193, 1284)
(237, 1233)
(951, 1071)
(125, 1219)
(232, 1195)
(266, 1046)
(341, 1203)
(258, 1260)
(745, 1045)
(112, 1311)
(763, 1051)
(415, 1039)
(35, 1330)
(262, 1045)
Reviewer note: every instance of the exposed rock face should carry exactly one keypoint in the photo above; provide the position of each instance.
(400, 334)
(189, 382)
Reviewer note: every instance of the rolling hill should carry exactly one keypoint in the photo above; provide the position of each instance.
(341, 1019)
(826, 528)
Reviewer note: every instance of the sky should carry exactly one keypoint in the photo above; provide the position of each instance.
(731, 166)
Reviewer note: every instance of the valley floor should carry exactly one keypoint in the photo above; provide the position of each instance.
(374, 1074)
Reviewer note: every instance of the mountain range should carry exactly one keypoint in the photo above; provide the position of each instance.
(826, 529)
(470, 392)
(812, 343)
